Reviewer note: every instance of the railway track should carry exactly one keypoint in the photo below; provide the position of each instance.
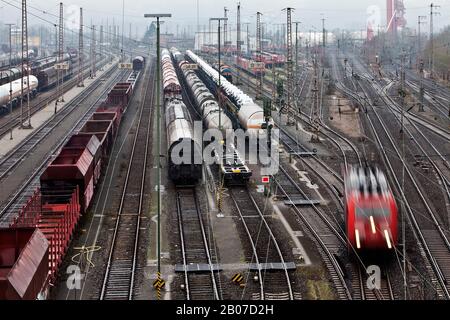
(381, 90)
(328, 234)
(273, 285)
(29, 186)
(7, 122)
(22, 150)
(362, 292)
(332, 240)
(195, 249)
(119, 278)
(293, 145)
(435, 104)
(432, 238)
(323, 232)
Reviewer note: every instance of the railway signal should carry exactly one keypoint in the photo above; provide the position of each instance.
(266, 181)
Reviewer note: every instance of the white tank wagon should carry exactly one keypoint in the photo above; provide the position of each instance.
(233, 168)
(206, 103)
(250, 115)
(17, 89)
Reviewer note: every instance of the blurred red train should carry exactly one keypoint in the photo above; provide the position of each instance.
(370, 209)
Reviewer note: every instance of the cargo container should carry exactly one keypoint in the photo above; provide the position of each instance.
(95, 149)
(74, 167)
(56, 215)
(120, 94)
(104, 130)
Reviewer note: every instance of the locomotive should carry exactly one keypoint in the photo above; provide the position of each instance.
(370, 210)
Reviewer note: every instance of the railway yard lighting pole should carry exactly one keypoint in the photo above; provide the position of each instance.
(9, 80)
(158, 123)
(220, 104)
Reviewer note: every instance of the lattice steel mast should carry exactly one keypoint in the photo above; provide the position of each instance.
(290, 72)
(238, 41)
(80, 52)
(259, 53)
(25, 60)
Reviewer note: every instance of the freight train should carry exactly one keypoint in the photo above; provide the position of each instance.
(43, 77)
(81, 161)
(7, 76)
(171, 85)
(243, 111)
(33, 68)
(16, 93)
(179, 126)
(43, 229)
(233, 168)
(370, 210)
(48, 75)
(278, 60)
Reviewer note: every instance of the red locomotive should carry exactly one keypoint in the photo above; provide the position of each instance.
(278, 60)
(370, 210)
(250, 66)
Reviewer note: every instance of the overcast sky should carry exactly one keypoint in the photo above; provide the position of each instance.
(338, 14)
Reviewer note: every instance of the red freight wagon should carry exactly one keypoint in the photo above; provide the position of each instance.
(73, 167)
(91, 143)
(104, 130)
(106, 113)
(24, 263)
(120, 94)
(56, 216)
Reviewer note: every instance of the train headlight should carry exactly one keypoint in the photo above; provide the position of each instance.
(358, 241)
(388, 239)
(372, 224)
